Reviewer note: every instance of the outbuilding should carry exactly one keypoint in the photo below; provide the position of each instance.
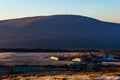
(54, 58)
(76, 60)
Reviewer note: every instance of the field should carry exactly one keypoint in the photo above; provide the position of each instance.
(32, 66)
(38, 59)
(66, 76)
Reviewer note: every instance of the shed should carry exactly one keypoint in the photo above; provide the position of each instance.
(54, 58)
(76, 60)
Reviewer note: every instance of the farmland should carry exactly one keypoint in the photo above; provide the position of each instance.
(65, 76)
(35, 65)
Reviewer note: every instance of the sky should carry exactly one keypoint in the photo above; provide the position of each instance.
(106, 10)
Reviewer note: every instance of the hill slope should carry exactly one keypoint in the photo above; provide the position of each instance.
(59, 31)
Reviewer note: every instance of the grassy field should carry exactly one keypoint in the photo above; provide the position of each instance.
(12, 59)
(38, 59)
(65, 76)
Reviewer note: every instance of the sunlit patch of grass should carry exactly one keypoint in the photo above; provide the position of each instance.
(64, 76)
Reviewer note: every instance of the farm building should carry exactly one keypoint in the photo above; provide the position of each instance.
(76, 60)
(54, 58)
(57, 58)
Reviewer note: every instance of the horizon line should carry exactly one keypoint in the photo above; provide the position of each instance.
(56, 15)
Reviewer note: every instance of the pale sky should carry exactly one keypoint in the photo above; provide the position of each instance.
(106, 10)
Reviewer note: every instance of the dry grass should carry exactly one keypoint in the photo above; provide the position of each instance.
(67, 76)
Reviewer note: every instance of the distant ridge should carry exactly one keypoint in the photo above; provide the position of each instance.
(59, 31)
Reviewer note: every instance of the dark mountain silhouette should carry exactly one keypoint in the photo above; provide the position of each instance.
(59, 31)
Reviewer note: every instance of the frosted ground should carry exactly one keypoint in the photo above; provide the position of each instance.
(17, 58)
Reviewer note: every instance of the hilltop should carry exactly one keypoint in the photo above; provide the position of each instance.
(59, 31)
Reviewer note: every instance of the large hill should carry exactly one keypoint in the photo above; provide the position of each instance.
(59, 31)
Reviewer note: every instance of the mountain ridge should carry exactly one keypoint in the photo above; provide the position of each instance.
(59, 31)
(46, 17)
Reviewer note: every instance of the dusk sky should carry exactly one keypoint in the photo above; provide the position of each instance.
(106, 10)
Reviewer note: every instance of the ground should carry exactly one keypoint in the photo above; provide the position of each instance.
(11, 59)
(66, 76)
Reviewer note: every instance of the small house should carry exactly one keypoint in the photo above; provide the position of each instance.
(76, 60)
(54, 58)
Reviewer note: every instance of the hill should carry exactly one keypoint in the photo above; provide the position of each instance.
(59, 31)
